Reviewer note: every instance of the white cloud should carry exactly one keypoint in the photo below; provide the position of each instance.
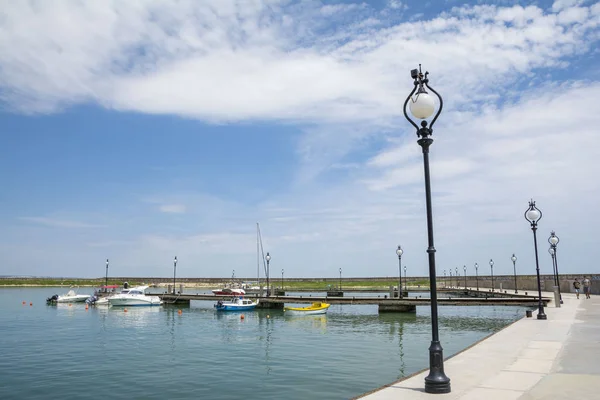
(59, 223)
(506, 134)
(173, 208)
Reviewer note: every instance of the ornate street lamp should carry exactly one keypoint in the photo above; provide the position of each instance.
(422, 106)
(450, 277)
(477, 275)
(106, 280)
(405, 280)
(457, 277)
(553, 240)
(533, 216)
(268, 258)
(174, 272)
(514, 260)
(340, 279)
(281, 278)
(399, 252)
(465, 270)
(492, 269)
(444, 278)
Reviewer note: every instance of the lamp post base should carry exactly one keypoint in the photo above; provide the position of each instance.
(436, 382)
(542, 316)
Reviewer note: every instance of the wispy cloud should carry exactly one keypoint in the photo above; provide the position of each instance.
(60, 223)
(173, 208)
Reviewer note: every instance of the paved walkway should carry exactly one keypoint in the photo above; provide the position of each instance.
(558, 358)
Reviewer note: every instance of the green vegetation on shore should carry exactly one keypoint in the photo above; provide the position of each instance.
(60, 282)
(317, 284)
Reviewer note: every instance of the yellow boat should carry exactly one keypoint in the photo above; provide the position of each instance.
(314, 308)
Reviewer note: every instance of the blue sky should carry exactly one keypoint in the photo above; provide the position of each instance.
(140, 131)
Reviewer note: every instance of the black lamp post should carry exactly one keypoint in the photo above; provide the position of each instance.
(174, 272)
(281, 278)
(399, 252)
(422, 106)
(465, 271)
(477, 275)
(450, 277)
(457, 278)
(533, 216)
(106, 280)
(553, 240)
(444, 278)
(405, 280)
(514, 260)
(268, 258)
(492, 270)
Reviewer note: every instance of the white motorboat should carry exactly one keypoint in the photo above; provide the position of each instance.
(70, 297)
(135, 296)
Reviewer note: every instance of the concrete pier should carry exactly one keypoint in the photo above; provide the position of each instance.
(531, 359)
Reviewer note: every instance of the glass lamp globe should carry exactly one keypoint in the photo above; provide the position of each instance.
(492, 263)
(422, 105)
(553, 239)
(513, 258)
(399, 251)
(533, 215)
(268, 257)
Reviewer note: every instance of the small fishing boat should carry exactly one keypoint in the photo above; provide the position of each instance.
(236, 304)
(229, 292)
(70, 297)
(314, 308)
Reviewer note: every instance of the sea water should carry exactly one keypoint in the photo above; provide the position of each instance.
(66, 351)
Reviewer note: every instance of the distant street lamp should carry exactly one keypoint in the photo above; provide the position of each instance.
(444, 278)
(465, 270)
(533, 215)
(233, 275)
(514, 260)
(340, 279)
(492, 270)
(281, 278)
(450, 277)
(477, 275)
(268, 258)
(405, 280)
(553, 240)
(174, 272)
(422, 106)
(106, 280)
(457, 278)
(399, 252)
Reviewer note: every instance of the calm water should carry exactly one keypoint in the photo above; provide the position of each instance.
(156, 353)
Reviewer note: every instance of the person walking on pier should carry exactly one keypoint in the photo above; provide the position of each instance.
(576, 286)
(586, 287)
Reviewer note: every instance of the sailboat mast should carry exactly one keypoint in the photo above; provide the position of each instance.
(257, 255)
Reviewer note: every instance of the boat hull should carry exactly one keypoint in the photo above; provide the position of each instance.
(235, 308)
(122, 302)
(310, 310)
(227, 292)
(79, 298)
